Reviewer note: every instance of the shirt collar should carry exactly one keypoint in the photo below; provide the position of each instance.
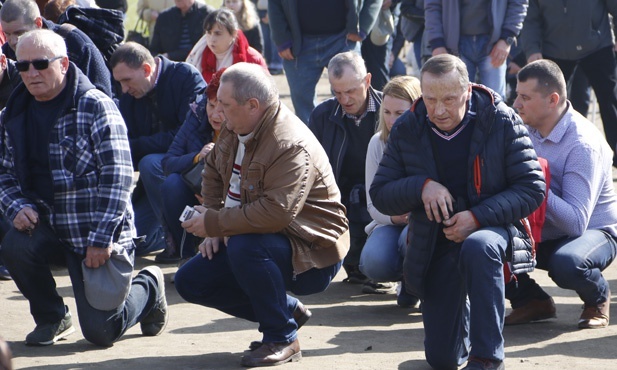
(370, 107)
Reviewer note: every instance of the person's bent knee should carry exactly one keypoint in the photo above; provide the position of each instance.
(13, 245)
(480, 246)
(99, 334)
(562, 269)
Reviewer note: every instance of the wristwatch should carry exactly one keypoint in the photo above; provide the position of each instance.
(510, 40)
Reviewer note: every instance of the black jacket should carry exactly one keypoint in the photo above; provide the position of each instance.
(505, 185)
(167, 30)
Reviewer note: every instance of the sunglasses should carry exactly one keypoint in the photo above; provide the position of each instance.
(38, 64)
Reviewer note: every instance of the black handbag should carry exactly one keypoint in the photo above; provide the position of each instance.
(141, 33)
(192, 177)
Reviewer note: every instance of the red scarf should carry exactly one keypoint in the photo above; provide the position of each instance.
(208, 59)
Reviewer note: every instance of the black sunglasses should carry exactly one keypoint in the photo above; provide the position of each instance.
(38, 64)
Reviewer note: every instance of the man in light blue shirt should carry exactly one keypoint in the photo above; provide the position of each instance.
(579, 235)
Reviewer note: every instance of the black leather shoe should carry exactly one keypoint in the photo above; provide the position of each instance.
(272, 354)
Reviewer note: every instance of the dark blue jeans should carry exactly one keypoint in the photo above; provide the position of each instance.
(28, 259)
(464, 305)
(177, 196)
(249, 279)
(572, 263)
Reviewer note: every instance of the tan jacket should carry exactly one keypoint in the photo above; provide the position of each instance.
(287, 187)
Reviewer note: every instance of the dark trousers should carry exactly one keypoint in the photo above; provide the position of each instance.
(601, 71)
(28, 259)
(249, 279)
(376, 60)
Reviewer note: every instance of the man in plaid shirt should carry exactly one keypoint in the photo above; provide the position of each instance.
(65, 179)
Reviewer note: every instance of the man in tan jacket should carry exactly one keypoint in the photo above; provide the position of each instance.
(272, 218)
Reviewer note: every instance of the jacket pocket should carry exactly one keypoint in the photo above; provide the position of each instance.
(77, 155)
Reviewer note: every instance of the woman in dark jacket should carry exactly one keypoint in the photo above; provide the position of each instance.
(192, 143)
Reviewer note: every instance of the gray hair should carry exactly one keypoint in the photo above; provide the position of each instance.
(26, 10)
(443, 64)
(250, 81)
(44, 39)
(353, 60)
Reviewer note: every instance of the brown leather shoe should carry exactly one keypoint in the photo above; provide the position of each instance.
(301, 315)
(535, 310)
(272, 354)
(595, 317)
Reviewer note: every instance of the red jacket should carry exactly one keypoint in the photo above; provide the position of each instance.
(241, 52)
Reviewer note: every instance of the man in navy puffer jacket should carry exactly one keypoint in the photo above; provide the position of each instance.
(462, 163)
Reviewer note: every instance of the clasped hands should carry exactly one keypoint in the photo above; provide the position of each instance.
(438, 204)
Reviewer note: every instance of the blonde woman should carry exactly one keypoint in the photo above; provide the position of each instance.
(248, 20)
(382, 256)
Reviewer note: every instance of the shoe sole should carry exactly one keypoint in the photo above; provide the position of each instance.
(160, 281)
(537, 319)
(58, 337)
(293, 358)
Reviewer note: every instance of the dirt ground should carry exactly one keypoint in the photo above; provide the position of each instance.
(348, 330)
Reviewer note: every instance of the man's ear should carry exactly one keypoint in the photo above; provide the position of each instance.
(65, 64)
(253, 104)
(147, 68)
(38, 21)
(554, 99)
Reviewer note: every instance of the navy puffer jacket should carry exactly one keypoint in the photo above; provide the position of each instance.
(505, 185)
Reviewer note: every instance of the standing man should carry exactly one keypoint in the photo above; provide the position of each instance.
(19, 16)
(156, 94)
(462, 163)
(65, 186)
(308, 33)
(272, 218)
(579, 237)
(344, 126)
(578, 35)
(178, 29)
(480, 32)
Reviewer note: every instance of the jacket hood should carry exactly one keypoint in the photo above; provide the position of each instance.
(76, 83)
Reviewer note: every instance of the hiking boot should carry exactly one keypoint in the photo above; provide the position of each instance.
(155, 321)
(477, 363)
(404, 299)
(595, 317)
(535, 310)
(48, 334)
(373, 287)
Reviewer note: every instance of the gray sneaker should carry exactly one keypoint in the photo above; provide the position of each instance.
(155, 321)
(48, 334)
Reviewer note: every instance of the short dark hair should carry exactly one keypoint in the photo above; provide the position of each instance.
(223, 16)
(548, 75)
(132, 54)
(443, 64)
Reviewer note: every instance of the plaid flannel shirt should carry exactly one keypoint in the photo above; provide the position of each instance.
(90, 163)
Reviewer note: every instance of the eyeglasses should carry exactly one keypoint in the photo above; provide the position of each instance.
(38, 64)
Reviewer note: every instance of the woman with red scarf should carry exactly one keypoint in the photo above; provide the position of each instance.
(222, 45)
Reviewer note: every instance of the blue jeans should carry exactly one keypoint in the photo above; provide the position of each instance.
(475, 52)
(249, 279)
(454, 323)
(270, 52)
(28, 259)
(572, 263)
(172, 209)
(304, 71)
(148, 209)
(383, 254)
